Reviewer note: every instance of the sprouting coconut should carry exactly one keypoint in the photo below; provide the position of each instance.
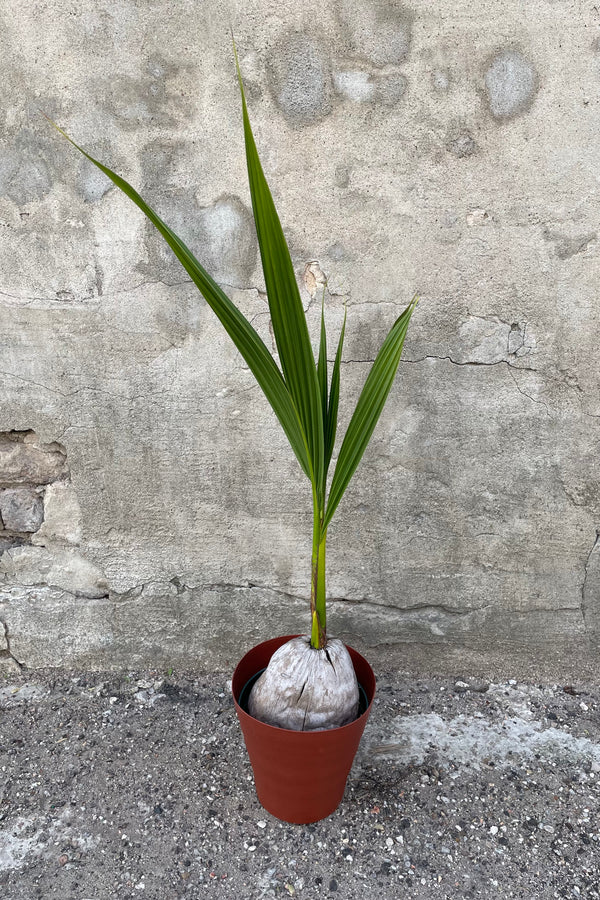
(306, 689)
(310, 683)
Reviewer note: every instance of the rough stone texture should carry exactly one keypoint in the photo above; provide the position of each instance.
(381, 32)
(138, 784)
(300, 79)
(21, 509)
(24, 460)
(471, 526)
(62, 516)
(56, 568)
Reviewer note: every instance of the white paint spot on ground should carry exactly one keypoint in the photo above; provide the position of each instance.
(14, 848)
(467, 739)
(13, 695)
(25, 838)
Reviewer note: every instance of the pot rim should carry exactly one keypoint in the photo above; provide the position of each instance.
(305, 735)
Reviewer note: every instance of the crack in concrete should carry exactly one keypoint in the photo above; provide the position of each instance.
(525, 394)
(471, 362)
(41, 585)
(501, 362)
(47, 301)
(96, 390)
(44, 387)
(142, 284)
(55, 301)
(182, 587)
(586, 567)
(418, 607)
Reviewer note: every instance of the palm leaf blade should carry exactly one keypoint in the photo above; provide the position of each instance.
(368, 409)
(287, 313)
(334, 399)
(322, 369)
(246, 339)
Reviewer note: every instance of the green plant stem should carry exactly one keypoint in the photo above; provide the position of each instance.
(317, 581)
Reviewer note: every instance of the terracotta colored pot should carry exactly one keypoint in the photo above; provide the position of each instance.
(300, 776)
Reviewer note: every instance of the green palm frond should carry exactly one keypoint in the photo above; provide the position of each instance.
(304, 403)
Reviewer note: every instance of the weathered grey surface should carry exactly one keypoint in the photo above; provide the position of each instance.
(21, 509)
(138, 784)
(448, 148)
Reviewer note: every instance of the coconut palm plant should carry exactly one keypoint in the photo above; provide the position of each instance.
(303, 396)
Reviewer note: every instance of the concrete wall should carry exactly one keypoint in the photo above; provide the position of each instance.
(447, 148)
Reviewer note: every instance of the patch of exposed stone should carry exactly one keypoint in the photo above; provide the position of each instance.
(27, 468)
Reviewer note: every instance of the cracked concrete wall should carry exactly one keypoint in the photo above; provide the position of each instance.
(449, 149)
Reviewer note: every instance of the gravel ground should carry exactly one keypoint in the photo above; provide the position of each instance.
(139, 786)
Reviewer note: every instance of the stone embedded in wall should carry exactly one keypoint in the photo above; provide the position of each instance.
(381, 33)
(21, 509)
(9, 540)
(62, 516)
(24, 460)
(64, 569)
(511, 83)
(37, 502)
(299, 79)
(39, 516)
